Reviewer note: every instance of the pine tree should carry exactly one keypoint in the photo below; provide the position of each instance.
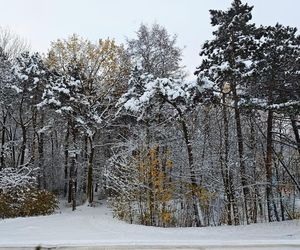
(226, 58)
(273, 87)
(31, 76)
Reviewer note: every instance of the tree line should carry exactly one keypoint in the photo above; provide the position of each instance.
(94, 120)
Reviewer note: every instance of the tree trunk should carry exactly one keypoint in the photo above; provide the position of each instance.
(296, 131)
(21, 160)
(191, 168)
(33, 158)
(86, 166)
(90, 190)
(228, 178)
(255, 174)
(2, 164)
(66, 161)
(41, 152)
(241, 153)
(23, 146)
(73, 172)
(189, 148)
(268, 165)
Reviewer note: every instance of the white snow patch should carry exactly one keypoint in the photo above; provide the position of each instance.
(89, 226)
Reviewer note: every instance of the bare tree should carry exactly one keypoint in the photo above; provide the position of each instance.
(11, 43)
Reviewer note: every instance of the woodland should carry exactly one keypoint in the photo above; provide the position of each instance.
(124, 123)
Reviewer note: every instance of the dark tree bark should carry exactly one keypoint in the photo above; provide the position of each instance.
(193, 179)
(41, 152)
(23, 146)
(90, 189)
(3, 134)
(296, 131)
(66, 161)
(227, 173)
(240, 141)
(268, 165)
(73, 171)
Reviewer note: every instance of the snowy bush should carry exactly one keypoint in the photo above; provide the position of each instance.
(11, 178)
(26, 202)
(20, 197)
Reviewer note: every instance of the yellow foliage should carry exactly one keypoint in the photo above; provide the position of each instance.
(166, 217)
(26, 201)
(166, 196)
(201, 193)
(152, 172)
(102, 65)
(169, 164)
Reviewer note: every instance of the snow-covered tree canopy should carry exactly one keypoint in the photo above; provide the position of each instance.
(225, 58)
(65, 95)
(275, 67)
(6, 77)
(31, 75)
(240, 54)
(11, 178)
(101, 66)
(145, 92)
(87, 78)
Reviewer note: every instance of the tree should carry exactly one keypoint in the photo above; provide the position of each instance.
(226, 57)
(6, 78)
(31, 76)
(147, 94)
(155, 51)
(274, 74)
(12, 44)
(90, 77)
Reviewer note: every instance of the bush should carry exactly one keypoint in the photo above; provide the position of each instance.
(26, 201)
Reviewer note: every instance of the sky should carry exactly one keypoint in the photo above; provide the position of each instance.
(43, 21)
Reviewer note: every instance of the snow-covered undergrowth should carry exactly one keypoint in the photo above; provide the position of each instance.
(95, 226)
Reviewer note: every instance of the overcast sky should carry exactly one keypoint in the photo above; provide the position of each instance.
(42, 21)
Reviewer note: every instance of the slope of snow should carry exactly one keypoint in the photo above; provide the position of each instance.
(96, 227)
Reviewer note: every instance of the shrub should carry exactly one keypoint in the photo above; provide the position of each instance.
(26, 201)
(19, 197)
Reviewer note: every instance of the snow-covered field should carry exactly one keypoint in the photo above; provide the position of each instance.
(95, 228)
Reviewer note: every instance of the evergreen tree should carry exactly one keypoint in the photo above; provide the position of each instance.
(274, 86)
(225, 60)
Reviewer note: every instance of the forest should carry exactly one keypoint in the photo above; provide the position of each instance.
(98, 120)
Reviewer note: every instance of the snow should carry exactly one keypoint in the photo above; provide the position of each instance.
(52, 100)
(171, 89)
(284, 105)
(35, 80)
(132, 104)
(95, 226)
(61, 89)
(17, 89)
(66, 108)
(11, 178)
(206, 84)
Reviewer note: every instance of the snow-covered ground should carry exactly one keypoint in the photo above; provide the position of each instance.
(97, 229)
